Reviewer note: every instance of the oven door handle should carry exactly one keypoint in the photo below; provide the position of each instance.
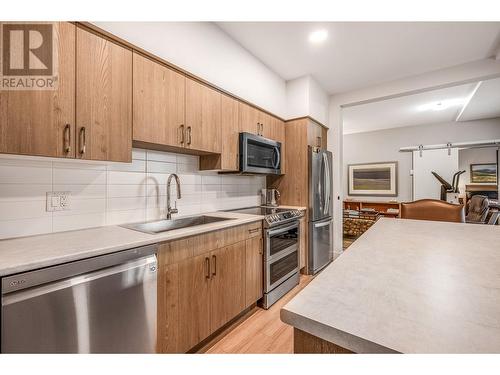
(272, 232)
(321, 225)
(283, 253)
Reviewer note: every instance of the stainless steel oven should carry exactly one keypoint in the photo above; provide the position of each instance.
(259, 154)
(281, 261)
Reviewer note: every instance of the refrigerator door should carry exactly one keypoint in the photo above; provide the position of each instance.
(320, 245)
(320, 184)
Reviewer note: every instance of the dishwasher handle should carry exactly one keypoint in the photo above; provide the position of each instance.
(149, 264)
(63, 271)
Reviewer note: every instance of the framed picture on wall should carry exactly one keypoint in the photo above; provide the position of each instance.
(483, 173)
(373, 179)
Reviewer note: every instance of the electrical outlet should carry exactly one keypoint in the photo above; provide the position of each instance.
(58, 201)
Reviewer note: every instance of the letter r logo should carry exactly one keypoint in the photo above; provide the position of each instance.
(27, 49)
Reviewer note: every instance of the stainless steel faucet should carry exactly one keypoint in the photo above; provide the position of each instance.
(174, 210)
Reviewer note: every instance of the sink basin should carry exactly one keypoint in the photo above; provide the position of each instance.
(154, 227)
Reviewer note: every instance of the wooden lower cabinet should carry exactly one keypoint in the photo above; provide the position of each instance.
(254, 270)
(205, 281)
(227, 290)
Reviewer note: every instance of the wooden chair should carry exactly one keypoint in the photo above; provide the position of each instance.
(433, 209)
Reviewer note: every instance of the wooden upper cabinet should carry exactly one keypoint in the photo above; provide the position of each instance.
(43, 122)
(158, 103)
(203, 117)
(316, 135)
(249, 119)
(103, 99)
(230, 134)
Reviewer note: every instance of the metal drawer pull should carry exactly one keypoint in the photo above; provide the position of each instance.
(82, 140)
(182, 134)
(214, 257)
(321, 225)
(67, 138)
(189, 135)
(207, 266)
(255, 230)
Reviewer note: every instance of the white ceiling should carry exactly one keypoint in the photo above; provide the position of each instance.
(485, 103)
(468, 102)
(361, 54)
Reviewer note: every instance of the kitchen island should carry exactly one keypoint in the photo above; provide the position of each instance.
(405, 286)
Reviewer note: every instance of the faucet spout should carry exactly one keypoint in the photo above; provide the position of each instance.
(174, 210)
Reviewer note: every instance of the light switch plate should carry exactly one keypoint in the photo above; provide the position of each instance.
(58, 201)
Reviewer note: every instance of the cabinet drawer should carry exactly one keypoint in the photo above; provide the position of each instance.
(253, 230)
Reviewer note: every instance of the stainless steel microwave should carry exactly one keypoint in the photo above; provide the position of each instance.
(259, 155)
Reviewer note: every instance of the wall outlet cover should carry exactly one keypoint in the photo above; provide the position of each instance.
(58, 201)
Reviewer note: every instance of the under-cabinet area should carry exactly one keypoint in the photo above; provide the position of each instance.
(204, 282)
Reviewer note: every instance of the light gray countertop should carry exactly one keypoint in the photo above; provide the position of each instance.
(28, 253)
(408, 286)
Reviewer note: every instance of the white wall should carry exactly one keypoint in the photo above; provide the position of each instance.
(470, 72)
(305, 97)
(112, 193)
(203, 49)
(384, 145)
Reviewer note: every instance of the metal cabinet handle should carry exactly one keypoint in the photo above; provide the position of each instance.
(258, 128)
(82, 140)
(207, 266)
(255, 230)
(67, 138)
(319, 141)
(214, 272)
(189, 135)
(182, 134)
(261, 247)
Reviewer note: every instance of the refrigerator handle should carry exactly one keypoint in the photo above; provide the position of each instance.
(326, 189)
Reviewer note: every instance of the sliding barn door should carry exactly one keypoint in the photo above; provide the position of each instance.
(425, 185)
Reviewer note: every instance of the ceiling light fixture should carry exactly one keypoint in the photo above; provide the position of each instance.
(442, 104)
(318, 36)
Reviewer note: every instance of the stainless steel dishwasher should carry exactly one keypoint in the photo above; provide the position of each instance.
(105, 304)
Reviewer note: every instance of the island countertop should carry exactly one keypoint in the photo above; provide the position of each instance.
(408, 286)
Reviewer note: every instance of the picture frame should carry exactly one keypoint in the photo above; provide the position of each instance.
(483, 173)
(373, 179)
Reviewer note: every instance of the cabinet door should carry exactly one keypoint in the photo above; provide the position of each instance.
(203, 117)
(194, 301)
(159, 103)
(303, 242)
(43, 122)
(103, 99)
(249, 119)
(314, 134)
(227, 287)
(267, 125)
(253, 270)
(230, 134)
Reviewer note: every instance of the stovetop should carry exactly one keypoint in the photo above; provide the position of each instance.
(273, 215)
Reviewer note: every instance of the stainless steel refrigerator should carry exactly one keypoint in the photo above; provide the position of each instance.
(320, 209)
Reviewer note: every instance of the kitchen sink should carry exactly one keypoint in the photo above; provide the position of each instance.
(154, 227)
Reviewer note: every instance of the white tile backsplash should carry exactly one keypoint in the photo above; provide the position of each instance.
(112, 193)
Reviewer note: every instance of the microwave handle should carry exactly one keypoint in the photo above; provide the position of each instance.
(277, 156)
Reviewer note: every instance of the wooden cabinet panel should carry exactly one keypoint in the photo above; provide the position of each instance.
(249, 119)
(203, 117)
(253, 269)
(227, 287)
(230, 134)
(303, 244)
(194, 301)
(103, 99)
(37, 122)
(316, 135)
(159, 103)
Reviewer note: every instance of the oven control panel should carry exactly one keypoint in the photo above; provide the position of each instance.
(281, 217)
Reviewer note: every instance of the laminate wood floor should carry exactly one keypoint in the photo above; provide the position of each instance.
(263, 332)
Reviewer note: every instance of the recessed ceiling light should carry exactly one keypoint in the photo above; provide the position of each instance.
(318, 36)
(442, 104)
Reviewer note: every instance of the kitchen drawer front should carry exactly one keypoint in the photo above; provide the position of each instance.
(185, 248)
